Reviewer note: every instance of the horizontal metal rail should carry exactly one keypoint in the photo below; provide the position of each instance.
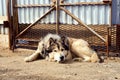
(84, 3)
(33, 5)
(63, 4)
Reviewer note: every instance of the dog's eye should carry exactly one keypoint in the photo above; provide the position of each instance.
(62, 49)
(55, 50)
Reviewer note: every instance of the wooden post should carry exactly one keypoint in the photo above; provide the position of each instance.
(15, 21)
(57, 16)
(15, 16)
(10, 23)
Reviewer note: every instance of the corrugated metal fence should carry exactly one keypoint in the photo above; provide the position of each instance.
(2, 7)
(3, 15)
(116, 12)
(89, 14)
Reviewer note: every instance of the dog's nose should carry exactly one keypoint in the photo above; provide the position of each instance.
(62, 58)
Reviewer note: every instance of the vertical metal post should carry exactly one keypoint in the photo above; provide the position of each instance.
(57, 16)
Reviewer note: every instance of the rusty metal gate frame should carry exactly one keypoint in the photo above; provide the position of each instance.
(56, 5)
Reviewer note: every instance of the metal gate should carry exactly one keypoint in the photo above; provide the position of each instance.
(29, 34)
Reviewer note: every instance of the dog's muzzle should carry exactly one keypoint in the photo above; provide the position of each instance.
(62, 58)
(59, 58)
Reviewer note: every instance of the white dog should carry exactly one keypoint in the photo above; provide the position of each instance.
(55, 48)
(42, 47)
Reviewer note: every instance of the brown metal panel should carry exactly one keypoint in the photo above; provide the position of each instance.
(118, 36)
(77, 31)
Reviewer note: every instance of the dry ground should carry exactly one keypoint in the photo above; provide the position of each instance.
(12, 67)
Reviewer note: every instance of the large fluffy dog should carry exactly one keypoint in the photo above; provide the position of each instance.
(55, 48)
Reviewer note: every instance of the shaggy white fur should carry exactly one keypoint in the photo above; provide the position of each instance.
(77, 47)
(45, 42)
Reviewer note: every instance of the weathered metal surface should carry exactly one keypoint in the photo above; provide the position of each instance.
(3, 17)
(116, 12)
(2, 7)
(118, 37)
(85, 12)
(35, 22)
(89, 14)
(81, 23)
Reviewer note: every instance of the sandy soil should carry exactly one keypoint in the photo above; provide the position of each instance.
(12, 67)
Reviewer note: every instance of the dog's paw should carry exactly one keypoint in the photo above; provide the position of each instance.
(27, 59)
(47, 58)
(51, 60)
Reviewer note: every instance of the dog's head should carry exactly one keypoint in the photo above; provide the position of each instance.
(56, 50)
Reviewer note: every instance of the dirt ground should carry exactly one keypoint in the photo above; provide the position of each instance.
(12, 67)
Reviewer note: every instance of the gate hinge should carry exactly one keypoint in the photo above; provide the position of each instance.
(54, 2)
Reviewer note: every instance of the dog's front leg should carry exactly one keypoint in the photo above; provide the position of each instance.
(32, 57)
(35, 55)
(77, 59)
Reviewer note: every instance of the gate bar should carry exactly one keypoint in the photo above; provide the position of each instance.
(64, 4)
(57, 16)
(84, 3)
(78, 20)
(35, 22)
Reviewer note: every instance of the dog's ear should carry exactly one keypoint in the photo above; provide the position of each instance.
(65, 42)
(51, 41)
(63, 38)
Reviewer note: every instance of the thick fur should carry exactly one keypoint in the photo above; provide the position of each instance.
(55, 48)
(42, 47)
(79, 49)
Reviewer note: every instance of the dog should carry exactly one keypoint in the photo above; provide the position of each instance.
(80, 50)
(43, 48)
(60, 49)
